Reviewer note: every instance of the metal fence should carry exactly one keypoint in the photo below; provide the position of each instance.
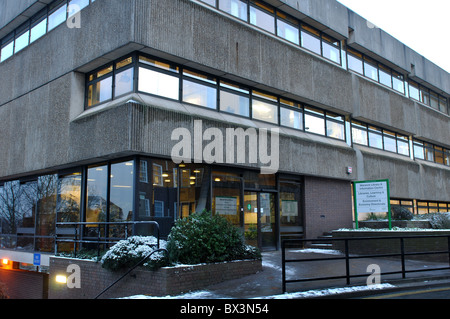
(74, 233)
(347, 257)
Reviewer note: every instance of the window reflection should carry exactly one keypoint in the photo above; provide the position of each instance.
(310, 42)
(38, 30)
(264, 111)
(158, 83)
(100, 92)
(124, 82)
(227, 188)
(199, 94)
(96, 197)
(7, 51)
(288, 31)
(57, 17)
(237, 8)
(260, 16)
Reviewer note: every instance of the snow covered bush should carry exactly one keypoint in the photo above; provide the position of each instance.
(440, 221)
(401, 213)
(203, 238)
(128, 252)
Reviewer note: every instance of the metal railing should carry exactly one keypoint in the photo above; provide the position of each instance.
(347, 257)
(72, 232)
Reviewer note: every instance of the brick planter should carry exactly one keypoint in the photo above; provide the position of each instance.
(165, 281)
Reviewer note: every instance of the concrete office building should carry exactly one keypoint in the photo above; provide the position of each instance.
(90, 101)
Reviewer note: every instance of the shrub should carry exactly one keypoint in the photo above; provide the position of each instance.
(440, 221)
(128, 252)
(203, 238)
(401, 213)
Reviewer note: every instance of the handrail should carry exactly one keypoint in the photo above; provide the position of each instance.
(347, 257)
(98, 241)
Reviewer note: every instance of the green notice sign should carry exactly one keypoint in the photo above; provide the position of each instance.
(372, 197)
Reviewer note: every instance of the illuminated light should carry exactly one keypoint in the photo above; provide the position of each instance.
(61, 279)
(217, 179)
(167, 180)
(192, 177)
(129, 164)
(196, 171)
(192, 183)
(165, 175)
(182, 165)
(5, 261)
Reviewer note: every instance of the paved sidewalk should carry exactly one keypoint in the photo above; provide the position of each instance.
(268, 283)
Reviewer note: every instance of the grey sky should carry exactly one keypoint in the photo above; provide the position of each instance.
(421, 25)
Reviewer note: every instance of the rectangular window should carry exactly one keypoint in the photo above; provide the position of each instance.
(210, 2)
(439, 155)
(158, 83)
(57, 16)
(434, 100)
(100, 91)
(79, 3)
(261, 16)
(385, 76)
(446, 157)
(429, 152)
(123, 82)
(424, 96)
(234, 99)
(121, 195)
(389, 142)
(419, 152)
(403, 145)
(7, 50)
(355, 62)
(237, 8)
(331, 49)
(288, 31)
(38, 29)
(22, 41)
(375, 137)
(398, 82)
(264, 110)
(314, 121)
(359, 133)
(370, 69)
(443, 106)
(310, 39)
(414, 91)
(200, 90)
(291, 115)
(335, 126)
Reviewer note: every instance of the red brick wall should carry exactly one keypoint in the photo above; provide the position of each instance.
(328, 205)
(165, 281)
(21, 284)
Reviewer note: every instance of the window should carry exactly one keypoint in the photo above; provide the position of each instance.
(398, 82)
(331, 49)
(38, 29)
(22, 40)
(210, 2)
(199, 89)
(434, 100)
(389, 141)
(385, 75)
(79, 3)
(424, 96)
(287, 28)
(261, 16)
(121, 192)
(443, 106)
(355, 62)
(123, 82)
(418, 150)
(335, 126)
(57, 16)
(359, 133)
(370, 69)
(291, 114)
(429, 152)
(234, 99)
(264, 107)
(314, 121)
(7, 50)
(375, 137)
(101, 88)
(158, 83)
(414, 91)
(237, 8)
(402, 145)
(311, 39)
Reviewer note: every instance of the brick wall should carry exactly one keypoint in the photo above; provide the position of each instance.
(22, 284)
(328, 206)
(165, 281)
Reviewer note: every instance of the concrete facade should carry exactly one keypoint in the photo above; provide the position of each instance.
(46, 128)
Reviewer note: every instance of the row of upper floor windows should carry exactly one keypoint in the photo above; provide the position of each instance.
(145, 74)
(380, 73)
(37, 26)
(287, 27)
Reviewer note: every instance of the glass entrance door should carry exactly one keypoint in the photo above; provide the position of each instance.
(259, 219)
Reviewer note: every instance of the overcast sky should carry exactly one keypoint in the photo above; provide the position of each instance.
(423, 25)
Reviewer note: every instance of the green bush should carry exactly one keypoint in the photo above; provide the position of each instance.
(401, 213)
(203, 238)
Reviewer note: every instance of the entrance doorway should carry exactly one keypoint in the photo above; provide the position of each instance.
(259, 219)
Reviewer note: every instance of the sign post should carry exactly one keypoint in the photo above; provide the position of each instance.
(372, 197)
